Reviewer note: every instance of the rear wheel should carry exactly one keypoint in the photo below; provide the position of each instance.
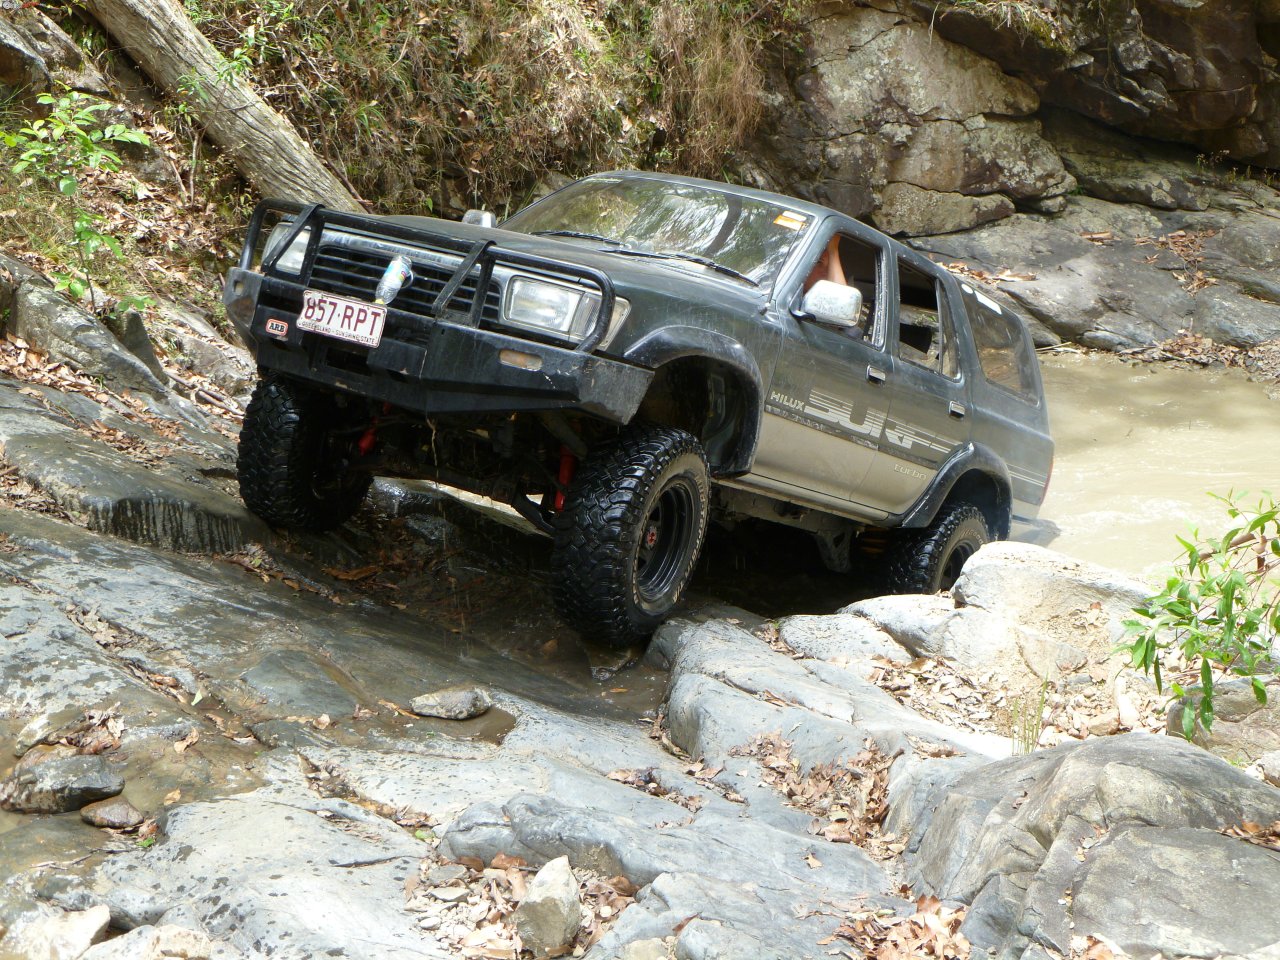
(295, 463)
(930, 560)
(629, 535)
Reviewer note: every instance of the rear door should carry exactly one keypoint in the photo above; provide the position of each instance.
(929, 414)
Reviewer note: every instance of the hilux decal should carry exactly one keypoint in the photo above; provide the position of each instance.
(839, 412)
(832, 415)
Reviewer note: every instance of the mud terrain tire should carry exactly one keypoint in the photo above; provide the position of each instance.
(290, 474)
(629, 535)
(929, 560)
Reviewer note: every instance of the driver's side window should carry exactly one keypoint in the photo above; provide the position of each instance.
(852, 262)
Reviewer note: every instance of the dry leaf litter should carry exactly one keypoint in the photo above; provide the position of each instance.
(468, 907)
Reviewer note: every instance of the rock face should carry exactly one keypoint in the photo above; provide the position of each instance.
(1147, 275)
(927, 136)
(1192, 72)
(550, 916)
(35, 53)
(931, 119)
(23, 72)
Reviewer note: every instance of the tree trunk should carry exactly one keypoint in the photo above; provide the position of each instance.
(160, 37)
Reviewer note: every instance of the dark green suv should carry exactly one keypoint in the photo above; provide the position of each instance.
(629, 358)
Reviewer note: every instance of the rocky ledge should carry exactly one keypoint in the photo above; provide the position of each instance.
(977, 771)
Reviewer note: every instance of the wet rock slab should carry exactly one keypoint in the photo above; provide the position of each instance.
(249, 867)
(198, 653)
(167, 504)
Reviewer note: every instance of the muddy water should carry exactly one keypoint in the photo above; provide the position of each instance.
(1138, 448)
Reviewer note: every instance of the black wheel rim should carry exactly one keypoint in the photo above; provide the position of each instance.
(955, 563)
(666, 537)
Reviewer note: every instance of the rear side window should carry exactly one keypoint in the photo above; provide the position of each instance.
(924, 324)
(1004, 352)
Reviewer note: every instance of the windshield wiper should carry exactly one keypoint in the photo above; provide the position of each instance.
(691, 257)
(575, 235)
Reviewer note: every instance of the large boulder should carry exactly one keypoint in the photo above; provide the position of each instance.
(57, 780)
(886, 117)
(1020, 611)
(1191, 71)
(1050, 591)
(1084, 839)
(56, 936)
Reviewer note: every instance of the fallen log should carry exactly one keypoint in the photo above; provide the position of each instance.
(264, 146)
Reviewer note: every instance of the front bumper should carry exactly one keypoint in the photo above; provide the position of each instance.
(448, 368)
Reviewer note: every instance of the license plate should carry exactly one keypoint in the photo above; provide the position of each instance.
(341, 318)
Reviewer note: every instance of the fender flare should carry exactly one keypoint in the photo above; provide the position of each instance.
(972, 457)
(675, 343)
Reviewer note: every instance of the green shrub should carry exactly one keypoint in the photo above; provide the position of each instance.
(1220, 608)
(59, 149)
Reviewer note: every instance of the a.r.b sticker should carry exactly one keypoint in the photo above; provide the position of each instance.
(277, 327)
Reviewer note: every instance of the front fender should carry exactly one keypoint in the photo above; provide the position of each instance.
(674, 343)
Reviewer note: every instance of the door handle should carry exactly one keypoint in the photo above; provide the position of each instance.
(956, 410)
(875, 374)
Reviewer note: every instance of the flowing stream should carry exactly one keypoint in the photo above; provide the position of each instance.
(1140, 447)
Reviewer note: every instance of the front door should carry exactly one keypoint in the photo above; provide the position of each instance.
(828, 403)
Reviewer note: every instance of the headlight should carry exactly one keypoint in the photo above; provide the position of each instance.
(291, 260)
(546, 307)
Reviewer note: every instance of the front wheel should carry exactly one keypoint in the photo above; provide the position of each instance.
(295, 469)
(931, 559)
(629, 535)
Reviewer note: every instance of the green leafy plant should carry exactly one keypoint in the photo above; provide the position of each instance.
(1220, 608)
(70, 139)
(58, 149)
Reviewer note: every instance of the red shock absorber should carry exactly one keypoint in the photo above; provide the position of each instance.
(369, 439)
(568, 464)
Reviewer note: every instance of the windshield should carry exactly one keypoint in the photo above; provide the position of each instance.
(743, 235)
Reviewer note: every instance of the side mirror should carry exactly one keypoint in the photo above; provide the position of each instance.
(479, 218)
(833, 303)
